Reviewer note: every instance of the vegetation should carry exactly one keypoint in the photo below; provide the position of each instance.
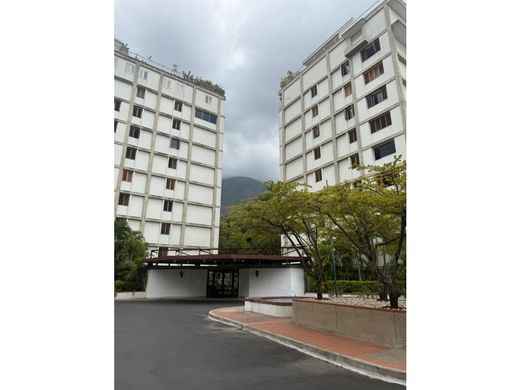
(206, 84)
(130, 251)
(286, 79)
(365, 223)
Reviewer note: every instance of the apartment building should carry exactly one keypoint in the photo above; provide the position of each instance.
(168, 137)
(347, 105)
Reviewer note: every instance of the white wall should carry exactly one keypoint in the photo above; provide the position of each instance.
(275, 282)
(168, 283)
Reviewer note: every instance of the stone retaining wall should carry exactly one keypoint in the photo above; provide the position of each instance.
(379, 326)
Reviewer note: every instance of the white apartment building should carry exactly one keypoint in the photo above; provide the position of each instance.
(347, 105)
(168, 137)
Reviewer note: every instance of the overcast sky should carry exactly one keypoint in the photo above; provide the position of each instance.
(243, 45)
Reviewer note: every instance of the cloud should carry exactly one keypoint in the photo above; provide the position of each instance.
(245, 46)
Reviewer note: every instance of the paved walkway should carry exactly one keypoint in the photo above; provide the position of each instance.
(367, 357)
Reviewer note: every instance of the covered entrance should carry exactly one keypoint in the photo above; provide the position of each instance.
(222, 283)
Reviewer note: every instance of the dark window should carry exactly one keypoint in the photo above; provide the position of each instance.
(170, 184)
(130, 153)
(175, 143)
(205, 116)
(115, 126)
(138, 111)
(135, 131)
(317, 175)
(176, 124)
(165, 228)
(140, 92)
(316, 131)
(352, 136)
(123, 199)
(347, 89)
(314, 91)
(376, 97)
(374, 72)
(178, 106)
(344, 68)
(168, 205)
(354, 160)
(349, 112)
(117, 104)
(127, 175)
(163, 251)
(172, 163)
(384, 150)
(380, 122)
(315, 111)
(404, 82)
(317, 153)
(370, 50)
(402, 59)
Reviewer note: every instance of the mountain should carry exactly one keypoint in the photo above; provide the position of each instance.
(237, 189)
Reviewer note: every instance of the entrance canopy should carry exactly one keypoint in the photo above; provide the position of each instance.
(223, 260)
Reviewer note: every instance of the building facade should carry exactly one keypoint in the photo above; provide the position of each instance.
(168, 137)
(347, 105)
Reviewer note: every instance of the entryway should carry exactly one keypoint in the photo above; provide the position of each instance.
(222, 283)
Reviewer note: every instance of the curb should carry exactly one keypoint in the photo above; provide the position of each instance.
(349, 363)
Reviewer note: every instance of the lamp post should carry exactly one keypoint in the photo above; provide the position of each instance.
(333, 252)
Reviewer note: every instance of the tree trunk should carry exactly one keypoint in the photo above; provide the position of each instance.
(318, 289)
(394, 296)
(383, 291)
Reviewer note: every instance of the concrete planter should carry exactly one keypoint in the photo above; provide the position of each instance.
(271, 306)
(122, 296)
(380, 326)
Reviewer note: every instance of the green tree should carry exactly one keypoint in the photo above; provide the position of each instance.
(372, 217)
(284, 209)
(130, 251)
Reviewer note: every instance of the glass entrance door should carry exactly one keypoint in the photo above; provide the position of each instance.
(222, 283)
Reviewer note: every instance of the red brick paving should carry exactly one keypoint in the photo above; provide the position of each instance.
(282, 326)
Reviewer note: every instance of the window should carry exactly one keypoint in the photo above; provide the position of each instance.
(347, 89)
(117, 104)
(317, 153)
(170, 184)
(349, 112)
(404, 82)
(315, 111)
(129, 68)
(165, 228)
(376, 97)
(354, 160)
(115, 126)
(163, 251)
(168, 205)
(123, 199)
(175, 143)
(374, 72)
(166, 83)
(205, 116)
(130, 153)
(208, 99)
(138, 111)
(177, 106)
(176, 124)
(384, 149)
(370, 50)
(380, 122)
(317, 175)
(314, 91)
(143, 74)
(115, 63)
(352, 136)
(402, 59)
(140, 92)
(316, 131)
(134, 131)
(127, 175)
(344, 68)
(172, 163)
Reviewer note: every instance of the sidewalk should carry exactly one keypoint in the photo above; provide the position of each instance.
(374, 360)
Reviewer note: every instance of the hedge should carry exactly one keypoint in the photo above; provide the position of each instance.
(365, 287)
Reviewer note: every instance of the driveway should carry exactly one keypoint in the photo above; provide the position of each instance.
(173, 345)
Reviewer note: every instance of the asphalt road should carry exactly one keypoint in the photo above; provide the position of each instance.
(173, 345)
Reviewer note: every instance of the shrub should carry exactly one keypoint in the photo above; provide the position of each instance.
(121, 285)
